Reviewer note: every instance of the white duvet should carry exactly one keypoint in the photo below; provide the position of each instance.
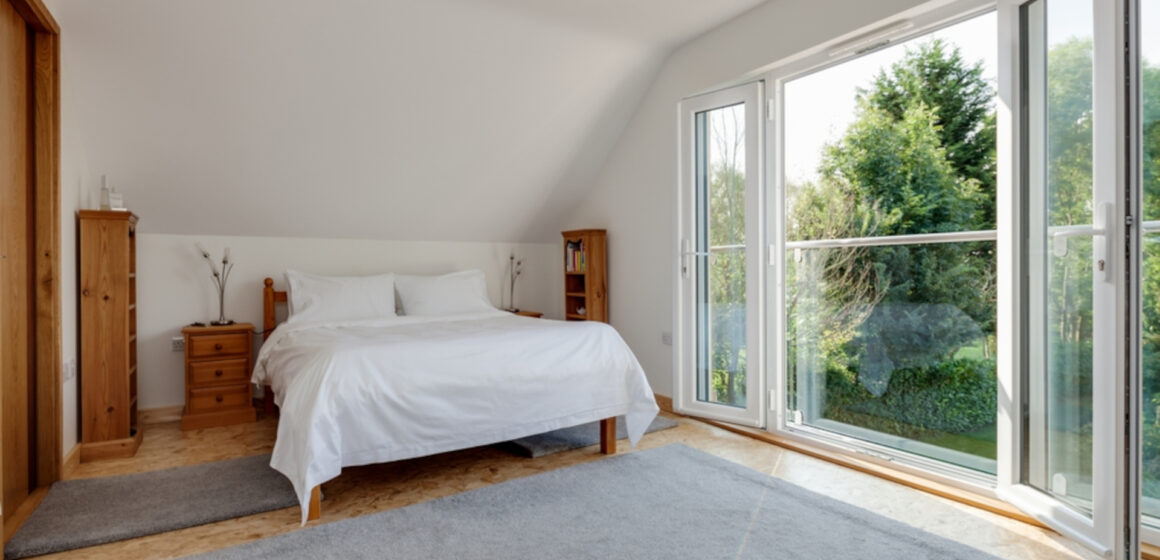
(367, 392)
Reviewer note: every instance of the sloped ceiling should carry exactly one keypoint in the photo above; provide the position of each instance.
(387, 119)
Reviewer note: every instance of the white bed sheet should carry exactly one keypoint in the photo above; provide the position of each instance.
(366, 392)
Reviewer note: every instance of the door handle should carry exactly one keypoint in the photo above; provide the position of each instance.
(1103, 227)
(686, 252)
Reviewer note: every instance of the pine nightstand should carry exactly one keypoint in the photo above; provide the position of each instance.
(218, 361)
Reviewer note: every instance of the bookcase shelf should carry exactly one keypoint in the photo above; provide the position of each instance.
(585, 278)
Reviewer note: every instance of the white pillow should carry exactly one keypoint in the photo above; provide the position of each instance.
(339, 298)
(449, 294)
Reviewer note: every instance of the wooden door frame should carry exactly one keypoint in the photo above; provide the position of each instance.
(45, 214)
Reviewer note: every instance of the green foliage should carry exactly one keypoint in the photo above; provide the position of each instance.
(726, 228)
(936, 76)
(952, 396)
(918, 158)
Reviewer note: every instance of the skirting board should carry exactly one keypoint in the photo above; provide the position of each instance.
(160, 415)
(666, 403)
(72, 460)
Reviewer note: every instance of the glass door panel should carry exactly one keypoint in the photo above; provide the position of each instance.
(719, 262)
(1060, 249)
(889, 224)
(720, 250)
(1150, 266)
(1062, 443)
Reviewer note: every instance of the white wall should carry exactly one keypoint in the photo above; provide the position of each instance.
(468, 122)
(635, 195)
(449, 120)
(174, 287)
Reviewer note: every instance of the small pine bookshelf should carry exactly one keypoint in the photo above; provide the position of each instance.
(585, 275)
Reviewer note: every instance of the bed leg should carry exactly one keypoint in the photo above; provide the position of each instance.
(267, 400)
(314, 513)
(608, 436)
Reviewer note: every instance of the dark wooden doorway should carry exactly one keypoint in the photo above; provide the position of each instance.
(30, 406)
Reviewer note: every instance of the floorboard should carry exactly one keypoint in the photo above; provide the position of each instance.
(363, 490)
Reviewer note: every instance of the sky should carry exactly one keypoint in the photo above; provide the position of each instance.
(819, 106)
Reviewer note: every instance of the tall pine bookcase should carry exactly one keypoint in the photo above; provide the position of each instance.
(107, 242)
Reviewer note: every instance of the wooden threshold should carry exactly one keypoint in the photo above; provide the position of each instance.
(13, 521)
(1149, 551)
(904, 478)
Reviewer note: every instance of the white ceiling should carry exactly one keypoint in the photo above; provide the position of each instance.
(657, 23)
(424, 120)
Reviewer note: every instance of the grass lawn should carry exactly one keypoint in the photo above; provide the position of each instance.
(980, 442)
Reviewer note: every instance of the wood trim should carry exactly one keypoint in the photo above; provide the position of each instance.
(17, 518)
(1149, 551)
(71, 462)
(36, 15)
(160, 415)
(46, 146)
(46, 260)
(947, 491)
(111, 449)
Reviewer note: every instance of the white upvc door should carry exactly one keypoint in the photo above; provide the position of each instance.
(718, 346)
(1066, 272)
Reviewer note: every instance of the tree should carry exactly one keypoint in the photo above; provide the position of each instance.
(936, 75)
(893, 161)
(726, 263)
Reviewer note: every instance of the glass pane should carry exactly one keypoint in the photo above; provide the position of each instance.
(1060, 267)
(1150, 267)
(895, 344)
(906, 368)
(720, 259)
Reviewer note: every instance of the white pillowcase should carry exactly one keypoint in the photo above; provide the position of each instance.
(315, 298)
(449, 294)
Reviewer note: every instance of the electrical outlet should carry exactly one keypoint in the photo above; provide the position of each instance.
(667, 338)
(70, 369)
(177, 344)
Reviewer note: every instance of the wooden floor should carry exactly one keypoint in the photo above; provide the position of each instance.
(363, 490)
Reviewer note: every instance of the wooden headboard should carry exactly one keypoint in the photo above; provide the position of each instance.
(270, 297)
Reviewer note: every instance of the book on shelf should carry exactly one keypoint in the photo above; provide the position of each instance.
(574, 256)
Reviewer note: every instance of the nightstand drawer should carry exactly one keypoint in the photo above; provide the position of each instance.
(216, 372)
(204, 346)
(217, 398)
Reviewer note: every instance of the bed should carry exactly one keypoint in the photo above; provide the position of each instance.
(372, 390)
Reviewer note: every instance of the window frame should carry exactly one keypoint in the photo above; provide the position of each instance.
(908, 25)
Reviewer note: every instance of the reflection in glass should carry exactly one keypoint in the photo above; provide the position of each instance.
(1150, 267)
(720, 256)
(1060, 266)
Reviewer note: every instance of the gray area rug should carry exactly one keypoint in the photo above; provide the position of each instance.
(87, 512)
(666, 503)
(574, 437)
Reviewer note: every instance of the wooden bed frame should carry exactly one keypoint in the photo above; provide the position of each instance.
(272, 297)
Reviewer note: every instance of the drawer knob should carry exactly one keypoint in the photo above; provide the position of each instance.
(218, 373)
(217, 346)
(219, 398)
